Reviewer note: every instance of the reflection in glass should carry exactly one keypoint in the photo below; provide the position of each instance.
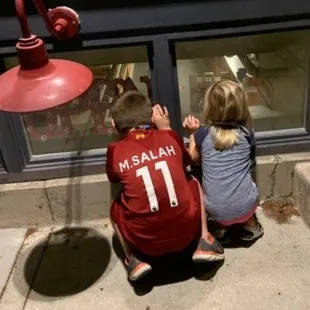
(273, 69)
(85, 123)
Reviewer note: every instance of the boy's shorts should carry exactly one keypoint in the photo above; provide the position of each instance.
(192, 229)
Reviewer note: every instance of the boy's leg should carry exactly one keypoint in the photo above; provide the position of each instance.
(136, 269)
(208, 248)
(122, 241)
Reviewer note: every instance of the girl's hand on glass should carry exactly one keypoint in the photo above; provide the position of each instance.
(191, 123)
(161, 117)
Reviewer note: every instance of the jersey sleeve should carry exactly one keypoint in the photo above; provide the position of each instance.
(112, 175)
(200, 135)
(187, 160)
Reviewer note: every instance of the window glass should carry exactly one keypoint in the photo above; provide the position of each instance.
(273, 68)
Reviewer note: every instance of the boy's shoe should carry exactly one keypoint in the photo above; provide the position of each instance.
(136, 269)
(208, 251)
(251, 233)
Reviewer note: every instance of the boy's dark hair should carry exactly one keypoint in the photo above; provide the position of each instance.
(130, 110)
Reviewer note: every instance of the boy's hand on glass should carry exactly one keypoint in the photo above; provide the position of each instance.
(161, 117)
(191, 123)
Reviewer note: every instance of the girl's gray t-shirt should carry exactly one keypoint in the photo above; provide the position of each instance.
(230, 192)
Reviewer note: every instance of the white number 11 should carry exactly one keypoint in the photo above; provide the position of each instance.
(149, 187)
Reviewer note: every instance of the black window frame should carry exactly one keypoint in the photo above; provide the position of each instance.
(159, 29)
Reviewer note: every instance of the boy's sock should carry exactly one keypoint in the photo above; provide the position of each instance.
(136, 269)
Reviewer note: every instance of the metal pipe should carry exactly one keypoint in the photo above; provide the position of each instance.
(22, 18)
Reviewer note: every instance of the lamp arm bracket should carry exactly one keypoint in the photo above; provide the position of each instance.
(62, 22)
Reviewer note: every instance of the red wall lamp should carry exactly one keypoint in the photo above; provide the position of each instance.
(40, 83)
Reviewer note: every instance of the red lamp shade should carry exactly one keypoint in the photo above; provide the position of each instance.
(39, 83)
(56, 83)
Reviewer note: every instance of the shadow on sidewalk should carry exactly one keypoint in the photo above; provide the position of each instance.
(170, 269)
(73, 259)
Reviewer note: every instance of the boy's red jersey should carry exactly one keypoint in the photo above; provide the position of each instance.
(160, 213)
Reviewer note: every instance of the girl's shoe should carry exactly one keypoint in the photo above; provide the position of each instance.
(251, 233)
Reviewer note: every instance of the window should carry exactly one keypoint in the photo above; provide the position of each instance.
(273, 68)
(85, 123)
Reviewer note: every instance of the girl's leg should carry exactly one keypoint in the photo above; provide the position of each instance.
(252, 222)
(220, 232)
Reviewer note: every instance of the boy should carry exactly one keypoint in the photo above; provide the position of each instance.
(159, 211)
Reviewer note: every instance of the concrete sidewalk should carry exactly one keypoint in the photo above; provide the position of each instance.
(78, 269)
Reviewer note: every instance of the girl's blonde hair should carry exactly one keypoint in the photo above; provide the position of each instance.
(225, 110)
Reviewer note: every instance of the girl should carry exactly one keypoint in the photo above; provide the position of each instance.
(225, 148)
